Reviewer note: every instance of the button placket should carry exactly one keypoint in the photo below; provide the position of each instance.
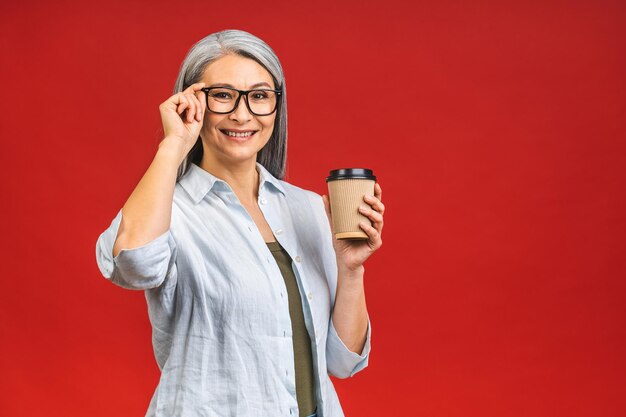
(308, 296)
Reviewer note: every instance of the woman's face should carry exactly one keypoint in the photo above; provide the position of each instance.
(243, 74)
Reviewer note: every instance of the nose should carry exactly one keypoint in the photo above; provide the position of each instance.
(241, 112)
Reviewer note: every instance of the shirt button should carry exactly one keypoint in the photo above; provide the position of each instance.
(250, 228)
(263, 201)
(298, 258)
(310, 295)
(278, 231)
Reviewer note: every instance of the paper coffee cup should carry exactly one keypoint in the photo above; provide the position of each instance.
(346, 188)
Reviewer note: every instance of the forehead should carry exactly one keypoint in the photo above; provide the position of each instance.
(237, 71)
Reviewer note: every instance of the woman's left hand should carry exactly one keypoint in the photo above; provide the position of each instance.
(352, 253)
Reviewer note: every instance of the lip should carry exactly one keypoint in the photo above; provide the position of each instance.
(239, 140)
(240, 130)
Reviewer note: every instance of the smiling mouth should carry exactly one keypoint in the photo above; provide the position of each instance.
(238, 134)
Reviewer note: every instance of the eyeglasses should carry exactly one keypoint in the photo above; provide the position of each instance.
(224, 100)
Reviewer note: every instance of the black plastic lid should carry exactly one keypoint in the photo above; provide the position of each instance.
(351, 173)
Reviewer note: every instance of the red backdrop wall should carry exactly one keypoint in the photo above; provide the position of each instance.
(497, 131)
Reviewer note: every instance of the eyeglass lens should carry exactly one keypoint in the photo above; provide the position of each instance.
(222, 100)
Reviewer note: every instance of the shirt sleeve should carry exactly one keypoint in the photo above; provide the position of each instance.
(144, 267)
(340, 360)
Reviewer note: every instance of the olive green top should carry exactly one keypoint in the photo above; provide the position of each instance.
(305, 385)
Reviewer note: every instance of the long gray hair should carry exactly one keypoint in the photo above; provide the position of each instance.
(273, 156)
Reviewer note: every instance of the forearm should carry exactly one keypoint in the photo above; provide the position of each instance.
(147, 212)
(350, 311)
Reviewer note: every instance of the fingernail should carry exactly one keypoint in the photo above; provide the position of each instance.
(362, 208)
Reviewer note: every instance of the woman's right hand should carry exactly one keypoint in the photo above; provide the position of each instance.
(182, 116)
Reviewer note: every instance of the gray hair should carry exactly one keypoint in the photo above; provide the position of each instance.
(273, 156)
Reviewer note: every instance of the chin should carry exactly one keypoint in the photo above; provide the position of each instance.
(239, 155)
(235, 151)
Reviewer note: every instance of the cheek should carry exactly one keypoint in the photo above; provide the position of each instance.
(209, 123)
(269, 124)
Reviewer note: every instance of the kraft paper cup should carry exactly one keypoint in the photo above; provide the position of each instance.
(346, 188)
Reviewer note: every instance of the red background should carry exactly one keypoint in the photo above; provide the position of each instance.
(497, 131)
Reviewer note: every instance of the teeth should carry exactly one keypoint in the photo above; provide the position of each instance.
(239, 135)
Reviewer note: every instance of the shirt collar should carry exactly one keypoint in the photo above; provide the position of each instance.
(198, 182)
(266, 176)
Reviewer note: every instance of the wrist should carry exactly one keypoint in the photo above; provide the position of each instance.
(173, 148)
(350, 272)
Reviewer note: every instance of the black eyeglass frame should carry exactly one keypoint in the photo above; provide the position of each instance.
(241, 94)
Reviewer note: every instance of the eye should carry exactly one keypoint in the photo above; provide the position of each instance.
(260, 95)
(222, 95)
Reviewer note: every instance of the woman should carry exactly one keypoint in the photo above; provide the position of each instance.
(252, 301)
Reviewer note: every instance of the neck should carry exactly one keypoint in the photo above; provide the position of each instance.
(243, 177)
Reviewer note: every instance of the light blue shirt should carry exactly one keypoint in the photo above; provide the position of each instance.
(218, 306)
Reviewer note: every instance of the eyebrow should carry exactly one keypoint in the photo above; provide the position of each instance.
(252, 87)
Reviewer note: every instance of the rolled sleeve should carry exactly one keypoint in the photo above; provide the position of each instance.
(144, 267)
(341, 361)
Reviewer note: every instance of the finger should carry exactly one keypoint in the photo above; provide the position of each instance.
(378, 192)
(194, 87)
(199, 110)
(374, 240)
(191, 113)
(182, 104)
(375, 203)
(200, 103)
(374, 216)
